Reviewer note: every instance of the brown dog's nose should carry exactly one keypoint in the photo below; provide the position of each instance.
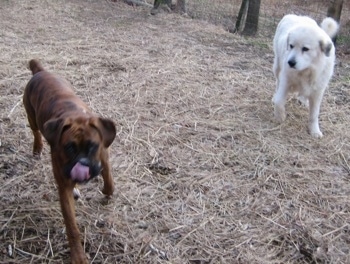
(84, 161)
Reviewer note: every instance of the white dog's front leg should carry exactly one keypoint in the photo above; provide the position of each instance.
(279, 100)
(314, 111)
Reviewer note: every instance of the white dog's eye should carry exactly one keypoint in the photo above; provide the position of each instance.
(291, 46)
(304, 49)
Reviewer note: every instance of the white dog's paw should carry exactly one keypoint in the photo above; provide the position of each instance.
(315, 132)
(303, 101)
(280, 114)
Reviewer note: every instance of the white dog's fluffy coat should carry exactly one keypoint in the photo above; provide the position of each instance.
(303, 64)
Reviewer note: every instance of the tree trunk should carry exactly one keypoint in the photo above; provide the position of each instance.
(158, 2)
(241, 15)
(252, 21)
(179, 6)
(334, 11)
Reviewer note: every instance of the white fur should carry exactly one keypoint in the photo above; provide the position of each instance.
(303, 64)
(76, 193)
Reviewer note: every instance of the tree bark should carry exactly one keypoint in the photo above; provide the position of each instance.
(241, 15)
(179, 6)
(334, 11)
(252, 21)
(158, 2)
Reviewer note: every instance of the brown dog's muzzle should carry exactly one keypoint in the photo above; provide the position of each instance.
(84, 170)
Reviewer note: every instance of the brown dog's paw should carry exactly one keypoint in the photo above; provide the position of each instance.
(37, 155)
(37, 150)
(80, 260)
(108, 191)
(78, 256)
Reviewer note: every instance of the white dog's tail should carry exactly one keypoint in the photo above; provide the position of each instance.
(330, 26)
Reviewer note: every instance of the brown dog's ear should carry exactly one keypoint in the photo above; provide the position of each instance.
(53, 130)
(107, 129)
(326, 47)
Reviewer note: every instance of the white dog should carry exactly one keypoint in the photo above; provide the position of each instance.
(303, 64)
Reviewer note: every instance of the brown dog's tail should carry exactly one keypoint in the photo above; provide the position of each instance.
(35, 66)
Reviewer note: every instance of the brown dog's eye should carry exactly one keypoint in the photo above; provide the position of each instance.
(71, 149)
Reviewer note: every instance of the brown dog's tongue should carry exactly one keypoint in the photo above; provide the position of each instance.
(80, 172)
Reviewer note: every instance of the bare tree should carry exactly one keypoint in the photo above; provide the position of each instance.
(241, 15)
(249, 11)
(179, 6)
(252, 21)
(334, 10)
(158, 2)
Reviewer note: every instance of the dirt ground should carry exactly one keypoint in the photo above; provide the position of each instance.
(203, 173)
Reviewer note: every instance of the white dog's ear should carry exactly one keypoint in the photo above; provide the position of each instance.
(326, 47)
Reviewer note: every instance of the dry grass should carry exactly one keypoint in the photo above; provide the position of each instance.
(203, 173)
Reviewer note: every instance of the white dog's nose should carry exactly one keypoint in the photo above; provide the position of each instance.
(292, 63)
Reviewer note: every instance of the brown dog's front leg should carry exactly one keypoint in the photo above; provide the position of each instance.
(38, 143)
(68, 210)
(108, 183)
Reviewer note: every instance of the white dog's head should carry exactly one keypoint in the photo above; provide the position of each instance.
(306, 46)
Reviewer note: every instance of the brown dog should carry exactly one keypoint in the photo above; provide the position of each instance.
(78, 139)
